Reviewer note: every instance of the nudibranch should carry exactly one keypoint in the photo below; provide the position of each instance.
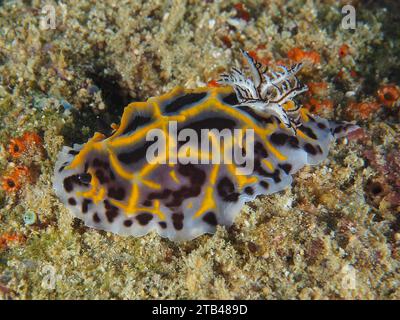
(111, 184)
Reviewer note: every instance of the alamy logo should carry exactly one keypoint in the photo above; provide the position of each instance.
(48, 18)
(49, 277)
(348, 277)
(349, 20)
(212, 146)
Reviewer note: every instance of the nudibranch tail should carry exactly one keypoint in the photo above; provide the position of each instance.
(111, 184)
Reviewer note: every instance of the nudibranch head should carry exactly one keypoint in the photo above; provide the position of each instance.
(111, 184)
(268, 92)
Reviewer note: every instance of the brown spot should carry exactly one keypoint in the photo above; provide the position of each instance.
(68, 185)
(73, 152)
(264, 184)
(144, 218)
(147, 203)
(85, 178)
(116, 193)
(163, 224)
(85, 205)
(286, 167)
(159, 195)
(275, 175)
(107, 204)
(183, 193)
(250, 111)
(212, 122)
(101, 177)
(111, 215)
(293, 142)
(279, 139)
(136, 122)
(96, 218)
(184, 101)
(97, 162)
(309, 148)
(132, 156)
(70, 181)
(226, 190)
(177, 220)
(249, 190)
(106, 165)
(259, 150)
(210, 218)
(338, 129)
(196, 175)
(308, 131)
(230, 99)
(72, 201)
(128, 223)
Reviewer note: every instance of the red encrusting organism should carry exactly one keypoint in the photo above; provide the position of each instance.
(16, 147)
(242, 11)
(213, 83)
(316, 105)
(389, 95)
(13, 182)
(19, 146)
(344, 50)
(254, 54)
(27, 145)
(363, 109)
(299, 55)
(317, 88)
(7, 238)
(226, 40)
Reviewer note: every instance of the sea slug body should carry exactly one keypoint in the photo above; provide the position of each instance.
(110, 184)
